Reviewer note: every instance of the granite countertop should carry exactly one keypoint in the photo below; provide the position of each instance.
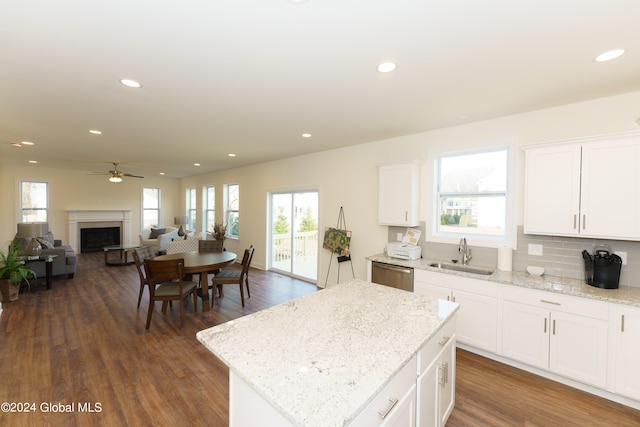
(623, 295)
(320, 359)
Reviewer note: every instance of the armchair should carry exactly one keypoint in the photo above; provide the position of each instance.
(158, 238)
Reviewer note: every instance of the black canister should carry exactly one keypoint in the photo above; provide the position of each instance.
(602, 269)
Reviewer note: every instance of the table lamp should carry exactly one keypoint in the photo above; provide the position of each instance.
(181, 220)
(33, 230)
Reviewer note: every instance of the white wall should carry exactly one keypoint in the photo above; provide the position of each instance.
(77, 190)
(344, 177)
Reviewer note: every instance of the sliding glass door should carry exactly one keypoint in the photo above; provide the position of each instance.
(294, 233)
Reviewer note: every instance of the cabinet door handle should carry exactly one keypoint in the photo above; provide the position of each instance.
(622, 323)
(554, 326)
(392, 404)
(550, 302)
(444, 374)
(443, 341)
(406, 215)
(545, 325)
(584, 222)
(575, 221)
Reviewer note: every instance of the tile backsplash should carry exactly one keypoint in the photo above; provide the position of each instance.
(561, 256)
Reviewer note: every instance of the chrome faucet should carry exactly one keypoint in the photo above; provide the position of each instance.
(466, 252)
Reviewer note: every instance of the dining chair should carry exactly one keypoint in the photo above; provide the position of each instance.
(206, 245)
(235, 277)
(166, 284)
(139, 255)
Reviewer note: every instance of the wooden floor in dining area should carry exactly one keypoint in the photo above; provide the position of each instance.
(79, 355)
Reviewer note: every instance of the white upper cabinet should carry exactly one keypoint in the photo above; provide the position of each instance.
(589, 188)
(398, 193)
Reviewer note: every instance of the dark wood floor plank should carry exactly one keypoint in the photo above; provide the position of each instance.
(84, 341)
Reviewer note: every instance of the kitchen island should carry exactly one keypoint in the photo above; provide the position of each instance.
(320, 360)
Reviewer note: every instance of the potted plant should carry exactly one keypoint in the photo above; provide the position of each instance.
(12, 273)
(219, 231)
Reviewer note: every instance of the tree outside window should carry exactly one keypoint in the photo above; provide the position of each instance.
(232, 200)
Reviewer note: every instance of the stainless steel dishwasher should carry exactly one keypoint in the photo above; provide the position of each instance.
(392, 275)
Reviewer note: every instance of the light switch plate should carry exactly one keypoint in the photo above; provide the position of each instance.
(399, 237)
(535, 249)
(622, 255)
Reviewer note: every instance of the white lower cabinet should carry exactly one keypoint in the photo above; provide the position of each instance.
(395, 405)
(436, 379)
(627, 368)
(423, 393)
(478, 300)
(544, 330)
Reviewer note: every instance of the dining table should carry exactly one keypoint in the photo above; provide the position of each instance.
(201, 263)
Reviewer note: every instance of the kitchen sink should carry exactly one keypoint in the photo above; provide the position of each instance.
(462, 268)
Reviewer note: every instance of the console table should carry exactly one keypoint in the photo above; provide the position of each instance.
(47, 259)
(123, 259)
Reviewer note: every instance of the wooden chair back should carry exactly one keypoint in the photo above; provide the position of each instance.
(139, 255)
(210, 245)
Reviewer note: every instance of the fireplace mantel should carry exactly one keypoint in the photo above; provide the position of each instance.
(78, 217)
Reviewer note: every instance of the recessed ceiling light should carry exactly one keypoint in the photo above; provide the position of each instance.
(196, 164)
(27, 143)
(161, 173)
(16, 144)
(306, 135)
(387, 67)
(231, 155)
(33, 161)
(95, 132)
(130, 83)
(608, 56)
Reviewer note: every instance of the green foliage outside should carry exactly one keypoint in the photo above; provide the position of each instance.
(281, 226)
(449, 219)
(307, 223)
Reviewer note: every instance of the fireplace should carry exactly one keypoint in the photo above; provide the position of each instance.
(94, 239)
(80, 220)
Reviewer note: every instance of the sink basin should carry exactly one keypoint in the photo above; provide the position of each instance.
(462, 268)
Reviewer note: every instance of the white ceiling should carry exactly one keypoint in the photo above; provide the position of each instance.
(250, 76)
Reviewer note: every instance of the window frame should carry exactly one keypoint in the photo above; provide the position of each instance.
(191, 206)
(25, 217)
(146, 209)
(230, 213)
(435, 234)
(207, 210)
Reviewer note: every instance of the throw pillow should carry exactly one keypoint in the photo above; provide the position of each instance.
(155, 232)
(44, 242)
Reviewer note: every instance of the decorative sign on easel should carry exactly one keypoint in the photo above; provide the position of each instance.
(338, 240)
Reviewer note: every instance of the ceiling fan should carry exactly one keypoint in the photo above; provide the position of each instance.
(115, 175)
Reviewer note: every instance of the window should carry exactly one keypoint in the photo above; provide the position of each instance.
(209, 207)
(472, 195)
(150, 207)
(232, 203)
(34, 201)
(191, 208)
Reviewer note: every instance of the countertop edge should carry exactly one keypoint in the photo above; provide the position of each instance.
(624, 295)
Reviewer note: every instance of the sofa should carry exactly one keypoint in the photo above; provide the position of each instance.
(159, 237)
(64, 264)
(190, 244)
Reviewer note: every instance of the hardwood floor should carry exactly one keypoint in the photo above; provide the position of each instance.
(83, 343)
